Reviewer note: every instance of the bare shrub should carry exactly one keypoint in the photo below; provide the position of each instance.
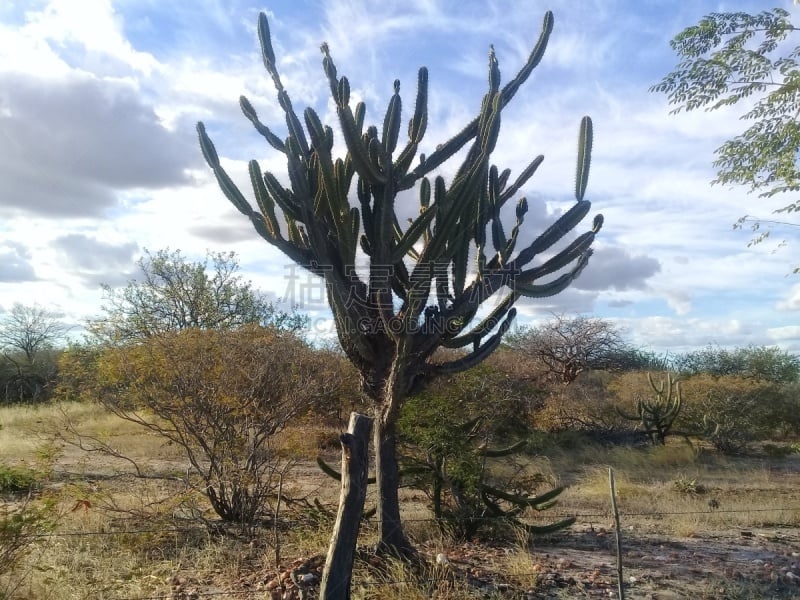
(222, 396)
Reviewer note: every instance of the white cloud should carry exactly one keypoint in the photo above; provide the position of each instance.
(93, 25)
(791, 302)
(70, 142)
(790, 333)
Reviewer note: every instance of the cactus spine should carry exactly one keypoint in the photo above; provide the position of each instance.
(415, 296)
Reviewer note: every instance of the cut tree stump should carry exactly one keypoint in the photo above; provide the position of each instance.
(338, 569)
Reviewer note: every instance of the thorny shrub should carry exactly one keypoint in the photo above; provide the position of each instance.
(221, 395)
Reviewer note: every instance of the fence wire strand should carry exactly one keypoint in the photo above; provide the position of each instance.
(556, 515)
(580, 517)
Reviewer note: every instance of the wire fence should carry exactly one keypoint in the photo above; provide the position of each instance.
(579, 516)
(250, 594)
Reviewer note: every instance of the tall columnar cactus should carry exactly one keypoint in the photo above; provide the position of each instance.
(657, 416)
(418, 293)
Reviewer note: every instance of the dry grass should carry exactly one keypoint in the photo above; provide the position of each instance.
(521, 564)
(661, 491)
(683, 491)
(23, 431)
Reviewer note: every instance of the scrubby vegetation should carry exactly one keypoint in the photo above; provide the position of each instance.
(194, 433)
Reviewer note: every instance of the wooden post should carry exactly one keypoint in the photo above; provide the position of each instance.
(620, 583)
(338, 569)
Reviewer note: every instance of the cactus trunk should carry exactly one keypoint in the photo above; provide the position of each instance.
(393, 540)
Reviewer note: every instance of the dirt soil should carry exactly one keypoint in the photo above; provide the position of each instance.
(582, 564)
(760, 564)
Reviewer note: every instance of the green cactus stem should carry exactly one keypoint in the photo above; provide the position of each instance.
(658, 415)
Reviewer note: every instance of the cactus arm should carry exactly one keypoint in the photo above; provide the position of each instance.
(263, 199)
(333, 473)
(226, 184)
(284, 198)
(526, 174)
(544, 499)
(573, 252)
(629, 416)
(503, 254)
(511, 88)
(520, 502)
(350, 122)
(483, 328)
(498, 452)
(557, 285)
(547, 529)
(442, 154)
(301, 256)
(585, 138)
(391, 123)
(265, 131)
(413, 234)
(480, 353)
(416, 128)
(268, 56)
(448, 149)
(533, 59)
(499, 239)
(553, 234)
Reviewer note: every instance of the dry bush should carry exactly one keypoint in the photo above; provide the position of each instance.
(21, 522)
(733, 411)
(587, 406)
(564, 347)
(221, 396)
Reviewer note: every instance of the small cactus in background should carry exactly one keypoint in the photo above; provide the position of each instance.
(658, 415)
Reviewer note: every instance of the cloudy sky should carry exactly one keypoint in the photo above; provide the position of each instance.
(99, 157)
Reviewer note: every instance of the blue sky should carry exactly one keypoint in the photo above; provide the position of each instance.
(99, 157)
